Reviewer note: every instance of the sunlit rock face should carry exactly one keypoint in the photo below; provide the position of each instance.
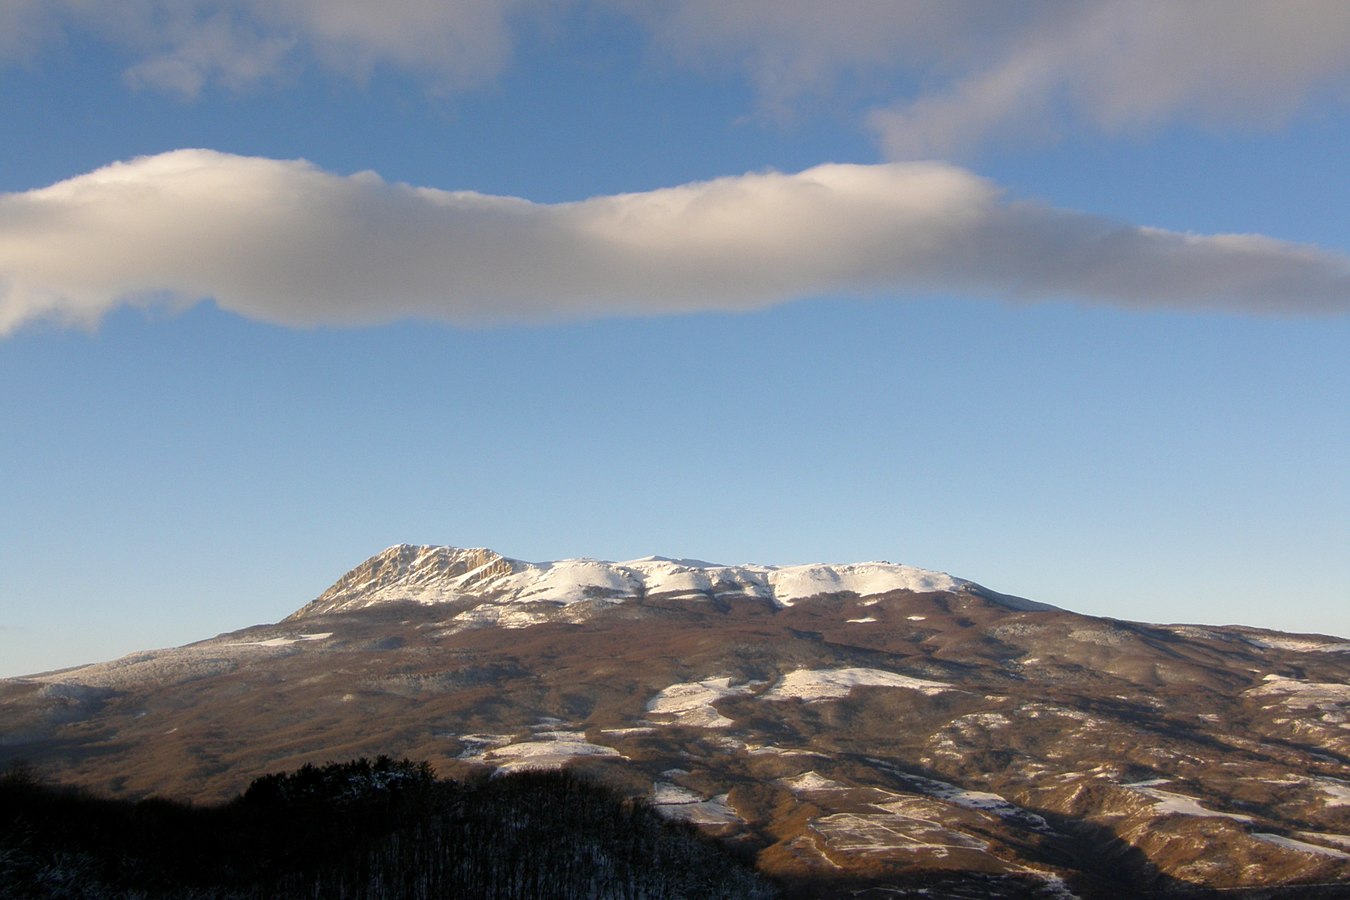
(409, 573)
(849, 725)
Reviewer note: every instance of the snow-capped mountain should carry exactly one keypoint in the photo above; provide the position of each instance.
(515, 591)
(853, 726)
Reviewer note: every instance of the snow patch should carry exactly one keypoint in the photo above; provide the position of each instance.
(813, 685)
(691, 702)
(771, 750)
(506, 615)
(1297, 694)
(985, 720)
(675, 802)
(1168, 803)
(812, 781)
(984, 801)
(282, 641)
(1336, 789)
(886, 833)
(476, 744)
(1299, 645)
(557, 749)
(1331, 698)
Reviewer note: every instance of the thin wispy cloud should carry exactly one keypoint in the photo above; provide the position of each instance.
(940, 79)
(1125, 67)
(181, 46)
(286, 242)
(963, 73)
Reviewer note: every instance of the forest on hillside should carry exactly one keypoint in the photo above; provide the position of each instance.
(361, 830)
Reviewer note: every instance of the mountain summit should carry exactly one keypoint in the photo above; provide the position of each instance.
(852, 727)
(520, 590)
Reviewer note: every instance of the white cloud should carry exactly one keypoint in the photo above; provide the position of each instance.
(286, 242)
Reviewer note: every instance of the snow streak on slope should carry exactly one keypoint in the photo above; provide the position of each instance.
(431, 575)
(1299, 846)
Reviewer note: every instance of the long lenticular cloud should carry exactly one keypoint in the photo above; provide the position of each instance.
(288, 243)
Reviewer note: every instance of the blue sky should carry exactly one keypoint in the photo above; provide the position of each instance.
(782, 284)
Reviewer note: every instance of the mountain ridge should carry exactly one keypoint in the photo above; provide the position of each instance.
(431, 574)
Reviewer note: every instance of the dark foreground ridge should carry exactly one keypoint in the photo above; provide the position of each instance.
(361, 829)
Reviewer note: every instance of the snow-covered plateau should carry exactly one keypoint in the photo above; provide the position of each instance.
(431, 575)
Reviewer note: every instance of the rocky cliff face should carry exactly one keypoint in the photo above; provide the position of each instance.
(856, 725)
(407, 573)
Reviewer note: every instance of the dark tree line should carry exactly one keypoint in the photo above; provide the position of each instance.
(361, 829)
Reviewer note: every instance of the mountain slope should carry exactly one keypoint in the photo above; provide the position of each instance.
(868, 722)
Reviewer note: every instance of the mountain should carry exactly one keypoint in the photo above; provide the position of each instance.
(852, 726)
